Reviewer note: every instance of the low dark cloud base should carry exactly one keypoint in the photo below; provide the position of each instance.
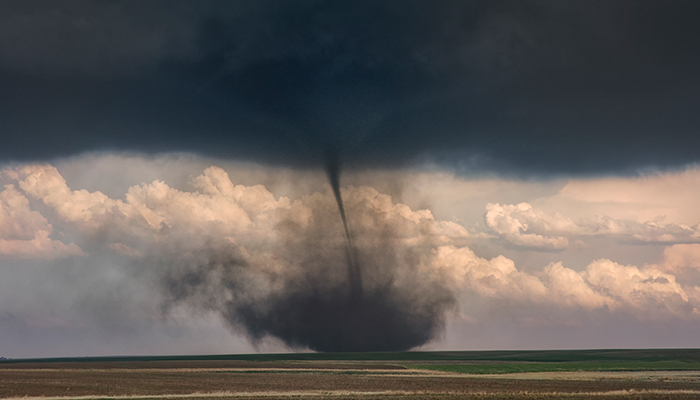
(524, 87)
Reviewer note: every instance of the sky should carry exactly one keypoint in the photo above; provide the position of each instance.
(205, 177)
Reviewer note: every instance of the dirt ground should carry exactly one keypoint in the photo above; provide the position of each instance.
(208, 365)
(320, 380)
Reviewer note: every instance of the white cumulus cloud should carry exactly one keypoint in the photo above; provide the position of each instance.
(525, 226)
(25, 233)
(644, 292)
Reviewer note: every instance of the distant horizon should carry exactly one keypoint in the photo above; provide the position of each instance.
(309, 354)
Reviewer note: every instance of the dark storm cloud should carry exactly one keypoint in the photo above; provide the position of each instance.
(526, 86)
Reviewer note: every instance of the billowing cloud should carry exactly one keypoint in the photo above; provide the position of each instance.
(497, 277)
(218, 209)
(648, 292)
(680, 257)
(25, 233)
(604, 284)
(569, 288)
(524, 226)
(527, 227)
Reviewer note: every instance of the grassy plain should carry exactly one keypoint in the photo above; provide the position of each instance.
(574, 366)
(609, 374)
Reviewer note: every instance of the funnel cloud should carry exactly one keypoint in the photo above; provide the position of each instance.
(354, 268)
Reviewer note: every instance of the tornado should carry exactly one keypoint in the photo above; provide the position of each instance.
(354, 267)
(348, 284)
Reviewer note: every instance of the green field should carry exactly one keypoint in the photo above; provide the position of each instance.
(520, 367)
(643, 357)
(467, 362)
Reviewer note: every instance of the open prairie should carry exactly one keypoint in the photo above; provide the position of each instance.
(609, 374)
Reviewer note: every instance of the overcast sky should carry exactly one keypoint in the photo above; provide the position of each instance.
(516, 174)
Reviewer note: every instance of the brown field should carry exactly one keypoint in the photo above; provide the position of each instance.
(324, 379)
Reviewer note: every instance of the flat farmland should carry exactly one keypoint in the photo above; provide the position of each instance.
(609, 374)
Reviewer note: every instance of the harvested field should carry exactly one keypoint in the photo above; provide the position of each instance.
(228, 365)
(158, 382)
(318, 379)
